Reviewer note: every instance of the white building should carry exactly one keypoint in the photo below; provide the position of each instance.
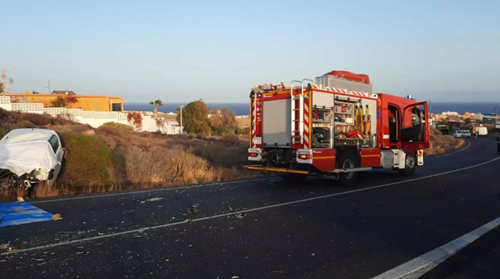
(95, 118)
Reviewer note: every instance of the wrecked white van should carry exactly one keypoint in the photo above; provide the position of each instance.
(29, 156)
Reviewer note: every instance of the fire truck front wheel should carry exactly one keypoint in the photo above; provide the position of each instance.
(293, 177)
(410, 165)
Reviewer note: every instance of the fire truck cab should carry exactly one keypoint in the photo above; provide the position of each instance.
(334, 128)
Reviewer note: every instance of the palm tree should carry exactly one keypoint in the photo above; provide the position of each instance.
(156, 104)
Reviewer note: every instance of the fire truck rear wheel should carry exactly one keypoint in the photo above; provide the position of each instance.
(347, 162)
(410, 165)
(293, 178)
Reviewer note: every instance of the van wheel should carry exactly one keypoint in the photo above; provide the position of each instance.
(410, 165)
(347, 162)
(293, 177)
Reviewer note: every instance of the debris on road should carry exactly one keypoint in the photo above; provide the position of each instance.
(192, 210)
(230, 208)
(155, 199)
(20, 199)
(69, 232)
(239, 215)
(235, 277)
(17, 213)
(7, 247)
(56, 217)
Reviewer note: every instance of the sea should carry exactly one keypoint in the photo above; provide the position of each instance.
(243, 108)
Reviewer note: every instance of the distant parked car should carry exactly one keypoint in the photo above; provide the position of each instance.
(29, 156)
(466, 134)
(458, 134)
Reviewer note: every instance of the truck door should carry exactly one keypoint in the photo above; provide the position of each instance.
(415, 133)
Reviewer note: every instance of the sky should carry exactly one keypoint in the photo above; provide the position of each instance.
(217, 51)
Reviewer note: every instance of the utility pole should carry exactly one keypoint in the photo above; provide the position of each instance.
(48, 85)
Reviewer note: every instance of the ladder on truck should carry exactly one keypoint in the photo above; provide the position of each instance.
(297, 125)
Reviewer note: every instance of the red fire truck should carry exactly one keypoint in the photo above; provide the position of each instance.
(334, 127)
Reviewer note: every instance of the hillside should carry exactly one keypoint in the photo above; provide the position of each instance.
(113, 157)
(441, 144)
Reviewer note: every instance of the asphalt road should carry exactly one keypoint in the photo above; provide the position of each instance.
(267, 229)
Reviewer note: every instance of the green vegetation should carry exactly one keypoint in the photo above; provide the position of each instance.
(223, 122)
(195, 118)
(156, 104)
(114, 157)
(63, 101)
(123, 127)
(87, 163)
(135, 119)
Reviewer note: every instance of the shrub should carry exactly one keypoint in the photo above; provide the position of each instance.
(232, 153)
(121, 126)
(135, 119)
(195, 117)
(42, 119)
(442, 143)
(224, 130)
(243, 131)
(87, 163)
(223, 122)
(63, 101)
(170, 166)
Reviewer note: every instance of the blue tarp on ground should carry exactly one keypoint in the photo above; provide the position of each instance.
(15, 213)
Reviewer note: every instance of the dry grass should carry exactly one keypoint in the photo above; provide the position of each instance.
(441, 144)
(243, 122)
(113, 157)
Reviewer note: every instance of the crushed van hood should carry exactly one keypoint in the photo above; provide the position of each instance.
(23, 158)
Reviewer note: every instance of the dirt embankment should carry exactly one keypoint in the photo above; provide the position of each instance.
(113, 157)
(441, 144)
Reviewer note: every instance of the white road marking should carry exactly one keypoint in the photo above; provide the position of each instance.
(154, 190)
(424, 263)
(249, 210)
